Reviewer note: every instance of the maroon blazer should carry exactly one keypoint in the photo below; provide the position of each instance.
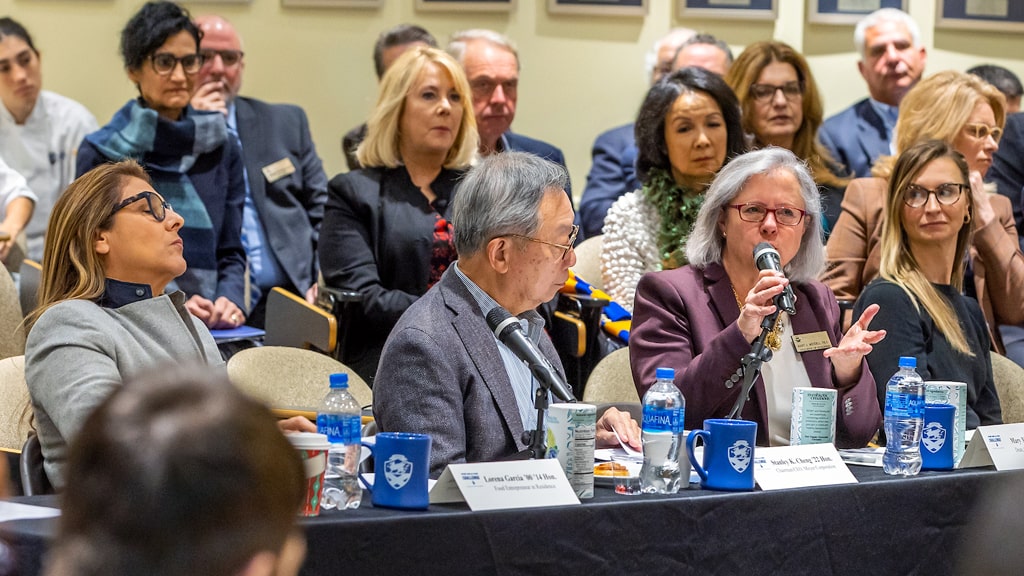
(686, 319)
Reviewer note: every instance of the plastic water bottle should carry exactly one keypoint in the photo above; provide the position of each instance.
(339, 417)
(662, 435)
(904, 418)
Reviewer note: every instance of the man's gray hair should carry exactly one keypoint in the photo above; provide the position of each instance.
(708, 39)
(884, 15)
(675, 36)
(501, 195)
(457, 44)
(706, 243)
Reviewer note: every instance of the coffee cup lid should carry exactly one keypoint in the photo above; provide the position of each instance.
(308, 440)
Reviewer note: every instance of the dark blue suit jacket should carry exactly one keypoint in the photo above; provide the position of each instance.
(520, 143)
(856, 137)
(612, 174)
(1008, 167)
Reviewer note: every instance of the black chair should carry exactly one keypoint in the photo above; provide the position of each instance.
(576, 333)
(34, 481)
(347, 308)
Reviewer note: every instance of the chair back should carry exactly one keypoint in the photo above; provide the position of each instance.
(12, 334)
(284, 377)
(31, 278)
(34, 481)
(16, 254)
(291, 321)
(611, 381)
(1009, 380)
(588, 260)
(14, 418)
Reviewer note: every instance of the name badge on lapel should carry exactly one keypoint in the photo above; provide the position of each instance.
(277, 170)
(811, 341)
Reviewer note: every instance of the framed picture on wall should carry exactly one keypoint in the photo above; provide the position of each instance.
(467, 5)
(599, 7)
(846, 12)
(998, 15)
(728, 9)
(334, 3)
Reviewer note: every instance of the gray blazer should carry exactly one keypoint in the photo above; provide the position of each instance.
(441, 374)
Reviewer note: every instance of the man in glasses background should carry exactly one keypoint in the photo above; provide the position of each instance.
(286, 186)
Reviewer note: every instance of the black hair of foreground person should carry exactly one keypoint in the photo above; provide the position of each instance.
(178, 472)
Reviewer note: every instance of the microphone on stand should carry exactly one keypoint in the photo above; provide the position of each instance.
(767, 258)
(507, 328)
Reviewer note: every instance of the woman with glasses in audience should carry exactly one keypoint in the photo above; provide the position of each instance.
(193, 162)
(105, 308)
(386, 232)
(968, 114)
(687, 129)
(782, 107)
(702, 319)
(39, 131)
(925, 238)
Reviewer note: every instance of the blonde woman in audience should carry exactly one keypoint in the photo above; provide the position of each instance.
(687, 129)
(925, 238)
(112, 247)
(968, 114)
(782, 107)
(39, 131)
(386, 232)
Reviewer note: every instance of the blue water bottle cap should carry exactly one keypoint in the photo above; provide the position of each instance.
(339, 380)
(665, 374)
(908, 362)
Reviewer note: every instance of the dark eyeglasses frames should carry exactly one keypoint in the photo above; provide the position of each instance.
(164, 63)
(228, 57)
(791, 90)
(757, 212)
(158, 207)
(916, 196)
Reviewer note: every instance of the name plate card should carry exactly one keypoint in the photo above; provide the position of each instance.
(504, 485)
(1001, 445)
(799, 466)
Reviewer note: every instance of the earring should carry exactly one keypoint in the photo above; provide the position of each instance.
(967, 218)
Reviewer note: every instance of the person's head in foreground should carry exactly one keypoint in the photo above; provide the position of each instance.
(176, 473)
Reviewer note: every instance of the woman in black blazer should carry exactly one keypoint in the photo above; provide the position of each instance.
(385, 232)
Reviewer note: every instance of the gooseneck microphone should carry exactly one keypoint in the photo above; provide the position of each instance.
(507, 328)
(767, 258)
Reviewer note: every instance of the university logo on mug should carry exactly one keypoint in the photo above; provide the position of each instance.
(740, 455)
(398, 470)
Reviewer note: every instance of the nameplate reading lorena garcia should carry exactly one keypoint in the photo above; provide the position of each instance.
(277, 170)
(811, 341)
(504, 485)
(799, 466)
(1001, 445)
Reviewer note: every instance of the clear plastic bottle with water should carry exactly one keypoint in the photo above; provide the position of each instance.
(662, 435)
(339, 417)
(904, 418)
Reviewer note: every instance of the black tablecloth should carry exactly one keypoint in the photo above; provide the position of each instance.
(879, 526)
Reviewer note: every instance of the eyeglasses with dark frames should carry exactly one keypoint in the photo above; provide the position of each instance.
(158, 207)
(565, 247)
(230, 58)
(792, 90)
(164, 63)
(983, 131)
(916, 196)
(757, 212)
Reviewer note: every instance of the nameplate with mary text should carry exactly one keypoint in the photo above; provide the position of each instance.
(1001, 445)
(504, 485)
(799, 466)
(811, 341)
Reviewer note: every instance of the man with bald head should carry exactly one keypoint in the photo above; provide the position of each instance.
(285, 182)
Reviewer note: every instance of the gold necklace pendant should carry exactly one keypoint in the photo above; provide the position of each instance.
(774, 338)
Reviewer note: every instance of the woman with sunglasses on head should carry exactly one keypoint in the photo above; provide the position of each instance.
(105, 310)
(968, 114)
(40, 131)
(193, 162)
(782, 107)
(925, 239)
(702, 319)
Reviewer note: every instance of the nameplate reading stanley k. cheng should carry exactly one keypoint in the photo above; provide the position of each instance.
(504, 485)
(799, 466)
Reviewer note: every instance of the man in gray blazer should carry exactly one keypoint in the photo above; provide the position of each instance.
(443, 372)
(285, 182)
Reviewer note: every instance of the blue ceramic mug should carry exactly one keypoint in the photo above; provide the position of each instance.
(401, 468)
(937, 437)
(728, 454)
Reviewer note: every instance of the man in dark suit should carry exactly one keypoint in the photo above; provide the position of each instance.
(443, 372)
(492, 68)
(285, 182)
(892, 60)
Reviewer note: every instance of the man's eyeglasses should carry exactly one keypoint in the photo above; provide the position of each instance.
(228, 57)
(916, 196)
(483, 88)
(983, 131)
(764, 92)
(757, 212)
(164, 63)
(158, 207)
(565, 247)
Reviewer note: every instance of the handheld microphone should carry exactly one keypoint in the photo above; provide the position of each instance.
(507, 328)
(767, 258)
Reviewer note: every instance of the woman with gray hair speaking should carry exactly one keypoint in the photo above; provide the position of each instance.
(701, 319)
